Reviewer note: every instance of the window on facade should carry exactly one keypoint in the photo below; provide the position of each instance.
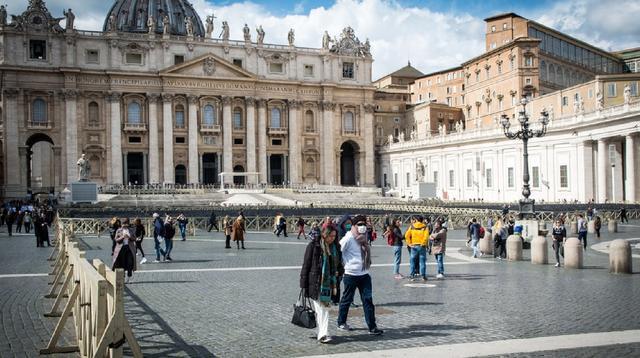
(564, 177)
(493, 28)
(308, 71)
(489, 177)
(499, 104)
(513, 101)
(38, 49)
(39, 114)
(633, 86)
(178, 59)
(510, 178)
(181, 140)
(276, 121)
(535, 177)
(209, 115)
(565, 101)
(611, 89)
(134, 113)
(477, 76)
(92, 56)
(179, 116)
(349, 125)
(310, 168)
(499, 68)
(238, 141)
(379, 131)
(504, 26)
(435, 178)
(237, 119)
(395, 180)
(237, 62)
(486, 71)
(309, 123)
(408, 179)
(209, 140)
(133, 58)
(276, 67)
(528, 61)
(93, 117)
(512, 63)
(347, 70)
(469, 178)
(135, 139)
(451, 178)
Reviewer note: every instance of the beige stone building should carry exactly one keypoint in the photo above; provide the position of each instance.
(155, 98)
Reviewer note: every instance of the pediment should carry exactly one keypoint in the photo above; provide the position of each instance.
(208, 66)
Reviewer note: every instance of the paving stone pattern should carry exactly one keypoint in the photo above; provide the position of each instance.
(246, 313)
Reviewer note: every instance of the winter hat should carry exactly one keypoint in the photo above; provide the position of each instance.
(359, 218)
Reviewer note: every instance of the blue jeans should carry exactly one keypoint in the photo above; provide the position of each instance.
(582, 236)
(440, 261)
(168, 246)
(421, 253)
(363, 284)
(476, 249)
(159, 250)
(183, 230)
(397, 258)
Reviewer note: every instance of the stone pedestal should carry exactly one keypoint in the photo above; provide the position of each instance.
(84, 192)
(573, 251)
(573, 227)
(486, 243)
(612, 226)
(620, 256)
(591, 227)
(514, 248)
(539, 251)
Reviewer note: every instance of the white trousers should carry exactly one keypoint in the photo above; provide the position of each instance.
(322, 318)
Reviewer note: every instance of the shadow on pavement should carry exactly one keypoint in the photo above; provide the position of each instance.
(407, 304)
(403, 333)
(462, 277)
(140, 282)
(154, 334)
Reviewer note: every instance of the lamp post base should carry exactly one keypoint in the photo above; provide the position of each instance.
(527, 208)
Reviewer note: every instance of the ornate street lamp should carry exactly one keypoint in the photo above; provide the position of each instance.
(525, 133)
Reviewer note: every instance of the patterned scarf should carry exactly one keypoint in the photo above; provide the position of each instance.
(329, 281)
(364, 246)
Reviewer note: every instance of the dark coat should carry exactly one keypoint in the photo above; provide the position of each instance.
(119, 239)
(237, 230)
(311, 273)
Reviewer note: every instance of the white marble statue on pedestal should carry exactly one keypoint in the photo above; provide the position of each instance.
(627, 94)
(599, 101)
(84, 168)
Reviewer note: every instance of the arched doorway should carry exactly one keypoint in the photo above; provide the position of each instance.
(181, 174)
(40, 162)
(209, 168)
(238, 180)
(348, 172)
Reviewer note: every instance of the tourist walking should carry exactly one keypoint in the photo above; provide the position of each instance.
(227, 226)
(500, 238)
(139, 233)
(438, 243)
(321, 268)
(417, 237)
(300, 225)
(114, 225)
(169, 233)
(314, 232)
(558, 233)
(474, 231)
(19, 221)
(213, 222)
(27, 222)
(158, 237)
(11, 217)
(276, 222)
(356, 258)
(124, 253)
(282, 226)
(623, 215)
(237, 231)
(394, 238)
(37, 230)
(597, 225)
(182, 225)
(582, 230)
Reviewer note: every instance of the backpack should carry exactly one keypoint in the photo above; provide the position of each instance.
(481, 232)
(390, 238)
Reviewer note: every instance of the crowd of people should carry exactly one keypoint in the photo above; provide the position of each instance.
(30, 216)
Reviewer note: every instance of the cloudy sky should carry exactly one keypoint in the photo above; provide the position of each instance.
(433, 35)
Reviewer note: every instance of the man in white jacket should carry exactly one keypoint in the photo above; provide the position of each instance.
(356, 258)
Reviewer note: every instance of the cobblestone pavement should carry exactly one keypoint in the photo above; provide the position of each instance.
(216, 302)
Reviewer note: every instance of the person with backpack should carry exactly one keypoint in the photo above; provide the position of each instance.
(282, 226)
(394, 239)
(213, 222)
(582, 230)
(474, 232)
(139, 233)
(114, 225)
(597, 225)
(558, 233)
(169, 233)
(182, 225)
(438, 242)
(158, 237)
(417, 237)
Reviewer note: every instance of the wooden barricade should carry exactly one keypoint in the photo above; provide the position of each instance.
(95, 303)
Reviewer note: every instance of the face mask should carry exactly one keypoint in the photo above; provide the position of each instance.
(362, 229)
(347, 226)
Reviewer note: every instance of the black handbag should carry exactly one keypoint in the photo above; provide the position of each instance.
(303, 314)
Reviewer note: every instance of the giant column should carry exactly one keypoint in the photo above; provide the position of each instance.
(369, 159)
(71, 134)
(294, 143)
(116, 139)
(193, 140)
(251, 136)
(602, 170)
(630, 168)
(167, 136)
(227, 139)
(12, 169)
(327, 158)
(262, 140)
(154, 157)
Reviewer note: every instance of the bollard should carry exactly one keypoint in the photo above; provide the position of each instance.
(539, 253)
(486, 243)
(612, 226)
(620, 256)
(514, 248)
(574, 227)
(573, 251)
(591, 227)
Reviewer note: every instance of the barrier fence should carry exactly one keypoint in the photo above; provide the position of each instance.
(93, 296)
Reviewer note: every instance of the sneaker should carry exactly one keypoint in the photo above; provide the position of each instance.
(144, 259)
(481, 254)
(398, 277)
(376, 332)
(415, 279)
(156, 261)
(424, 278)
(558, 264)
(345, 327)
(325, 339)
(169, 258)
(440, 276)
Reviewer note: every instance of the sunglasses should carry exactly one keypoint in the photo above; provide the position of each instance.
(361, 224)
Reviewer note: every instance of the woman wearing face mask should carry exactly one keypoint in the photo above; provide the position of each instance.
(321, 269)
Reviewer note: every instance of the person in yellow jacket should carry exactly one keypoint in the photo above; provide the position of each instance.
(417, 237)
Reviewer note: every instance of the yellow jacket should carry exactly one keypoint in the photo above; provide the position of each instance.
(417, 234)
